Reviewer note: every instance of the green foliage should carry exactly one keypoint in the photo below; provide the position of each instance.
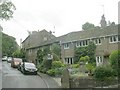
(6, 10)
(55, 57)
(9, 45)
(115, 61)
(22, 53)
(88, 51)
(19, 54)
(91, 52)
(84, 59)
(57, 64)
(16, 54)
(55, 48)
(57, 68)
(51, 67)
(55, 71)
(75, 65)
(40, 55)
(101, 73)
(87, 26)
(45, 65)
(90, 67)
(51, 72)
(80, 52)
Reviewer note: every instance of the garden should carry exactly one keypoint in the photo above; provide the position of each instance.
(84, 67)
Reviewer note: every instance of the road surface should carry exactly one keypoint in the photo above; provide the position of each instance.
(12, 78)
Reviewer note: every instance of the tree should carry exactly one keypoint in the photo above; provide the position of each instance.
(6, 10)
(40, 55)
(56, 51)
(55, 48)
(88, 26)
(86, 51)
(9, 45)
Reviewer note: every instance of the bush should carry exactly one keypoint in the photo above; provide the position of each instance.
(55, 72)
(101, 73)
(45, 66)
(57, 64)
(90, 68)
(75, 65)
(51, 72)
(115, 61)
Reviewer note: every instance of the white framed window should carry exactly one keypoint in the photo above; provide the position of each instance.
(69, 60)
(66, 46)
(99, 60)
(114, 39)
(82, 43)
(79, 43)
(98, 41)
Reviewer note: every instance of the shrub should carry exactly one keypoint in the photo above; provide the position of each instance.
(58, 71)
(75, 65)
(101, 73)
(55, 72)
(45, 66)
(51, 72)
(114, 57)
(115, 61)
(57, 64)
(90, 67)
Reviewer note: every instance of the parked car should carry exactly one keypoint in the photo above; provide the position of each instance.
(4, 58)
(28, 68)
(9, 59)
(15, 62)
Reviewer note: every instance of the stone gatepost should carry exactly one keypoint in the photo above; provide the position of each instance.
(65, 79)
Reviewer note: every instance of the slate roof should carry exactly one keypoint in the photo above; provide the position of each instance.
(80, 35)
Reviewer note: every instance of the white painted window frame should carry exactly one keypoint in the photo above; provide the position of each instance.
(99, 60)
(66, 46)
(112, 37)
(98, 43)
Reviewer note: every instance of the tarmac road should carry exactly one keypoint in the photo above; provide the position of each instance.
(12, 78)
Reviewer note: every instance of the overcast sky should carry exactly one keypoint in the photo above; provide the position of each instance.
(65, 15)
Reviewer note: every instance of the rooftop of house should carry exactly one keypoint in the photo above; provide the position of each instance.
(86, 34)
(81, 35)
(37, 37)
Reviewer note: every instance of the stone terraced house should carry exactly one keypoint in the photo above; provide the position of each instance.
(106, 39)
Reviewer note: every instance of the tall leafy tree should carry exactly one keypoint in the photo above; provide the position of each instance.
(9, 44)
(6, 10)
(88, 26)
